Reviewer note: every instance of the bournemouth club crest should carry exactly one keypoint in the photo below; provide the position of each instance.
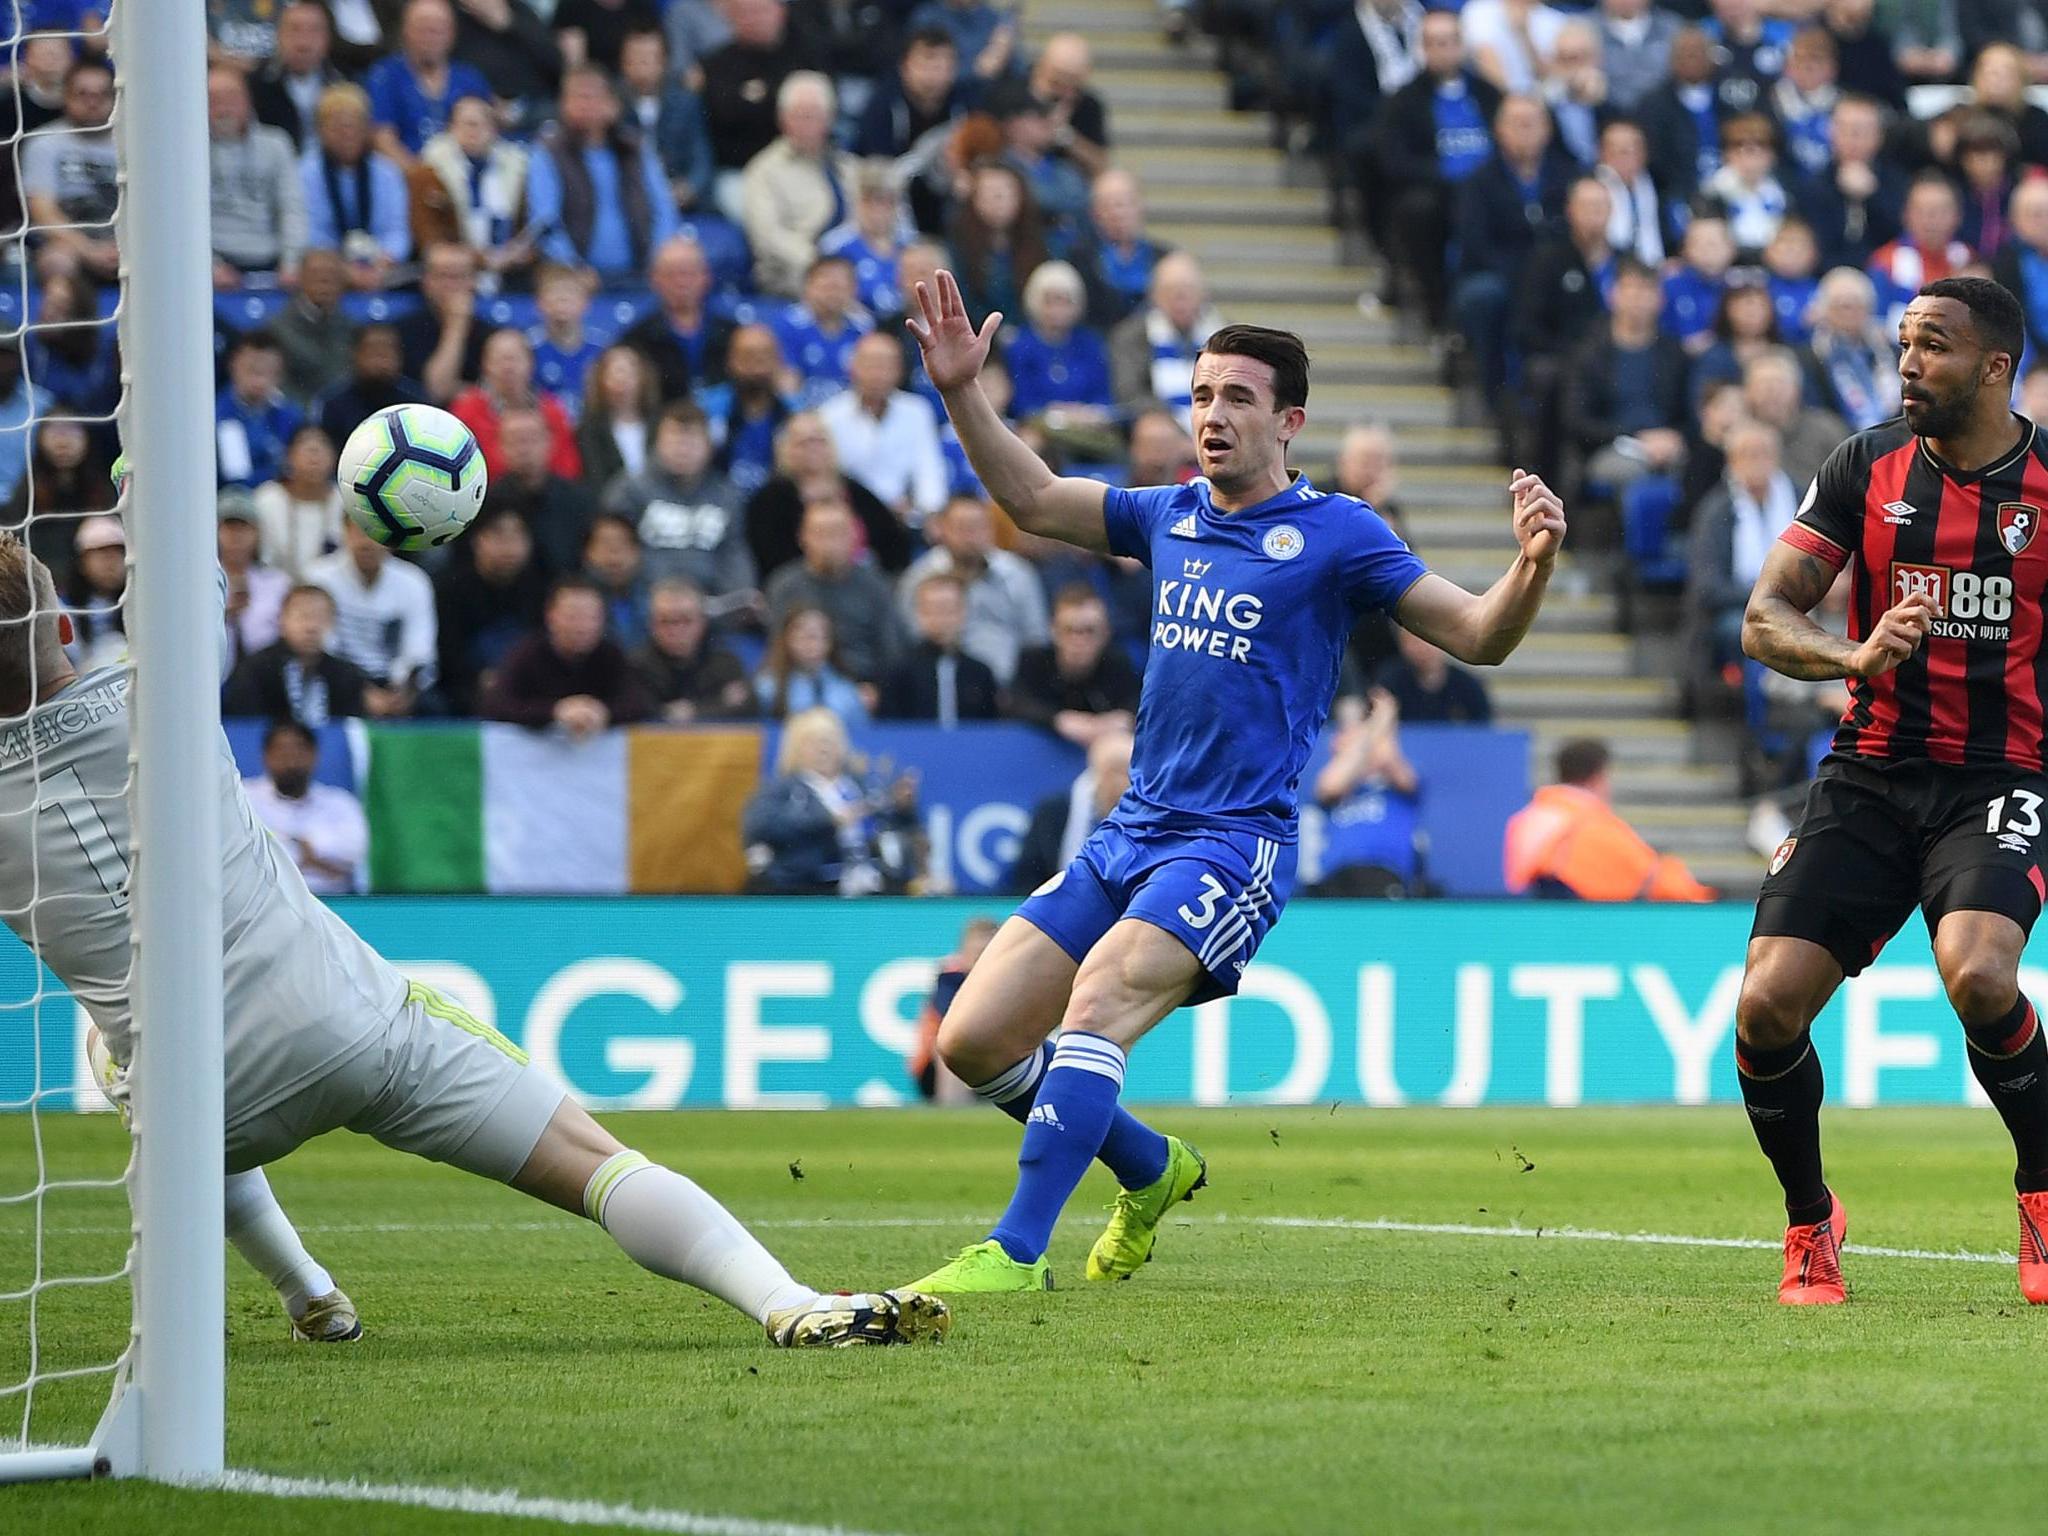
(1784, 854)
(2017, 522)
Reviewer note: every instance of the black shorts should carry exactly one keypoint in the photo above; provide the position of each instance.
(1878, 838)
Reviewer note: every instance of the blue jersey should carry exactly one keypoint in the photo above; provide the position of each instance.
(1250, 614)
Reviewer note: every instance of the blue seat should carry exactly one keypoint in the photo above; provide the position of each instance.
(725, 247)
(520, 311)
(366, 308)
(249, 309)
(1647, 508)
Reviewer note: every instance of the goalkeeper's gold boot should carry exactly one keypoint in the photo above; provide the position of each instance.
(1135, 1214)
(329, 1319)
(841, 1319)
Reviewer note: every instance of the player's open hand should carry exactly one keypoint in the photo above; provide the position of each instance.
(953, 350)
(1895, 636)
(1539, 517)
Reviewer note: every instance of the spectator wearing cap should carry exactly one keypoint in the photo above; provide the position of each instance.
(743, 85)
(355, 197)
(258, 212)
(690, 675)
(920, 105)
(375, 379)
(487, 595)
(507, 385)
(286, 86)
(1080, 123)
(383, 615)
(1855, 202)
(689, 516)
(797, 187)
(817, 334)
(594, 186)
(555, 507)
(872, 239)
(1928, 249)
(1152, 354)
(252, 419)
(1005, 601)
(807, 470)
(985, 35)
(826, 577)
(934, 679)
(1635, 48)
(299, 513)
(1079, 686)
(93, 595)
(311, 331)
(469, 189)
(569, 675)
(1057, 184)
(1118, 254)
(890, 433)
(684, 341)
(255, 591)
(668, 116)
(412, 90)
(298, 677)
(1504, 207)
(321, 825)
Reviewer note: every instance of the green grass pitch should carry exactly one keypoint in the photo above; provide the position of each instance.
(1256, 1378)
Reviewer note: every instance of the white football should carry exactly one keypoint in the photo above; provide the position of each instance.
(411, 476)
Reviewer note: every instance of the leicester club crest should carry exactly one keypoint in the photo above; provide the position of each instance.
(1784, 854)
(2016, 524)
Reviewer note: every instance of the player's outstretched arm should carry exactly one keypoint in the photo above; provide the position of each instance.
(1039, 501)
(1483, 629)
(1777, 632)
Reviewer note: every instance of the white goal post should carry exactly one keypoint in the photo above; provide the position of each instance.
(166, 1416)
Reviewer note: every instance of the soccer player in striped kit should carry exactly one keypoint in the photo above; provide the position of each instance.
(1934, 794)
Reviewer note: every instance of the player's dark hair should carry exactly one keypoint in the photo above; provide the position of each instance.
(1074, 594)
(286, 726)
(612, 519)
(656, 33)
(562, 586)
(930, 37)
(1636, 267)
(86, 62)
(2000, 323)
(254, 341)
(1282, 351)
(684, 412)
(1582, 760)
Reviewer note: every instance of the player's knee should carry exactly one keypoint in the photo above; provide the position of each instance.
(1768, 1015)
(966, 1050)
(1980, 988)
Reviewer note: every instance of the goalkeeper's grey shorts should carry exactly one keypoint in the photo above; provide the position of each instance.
(438, 1083)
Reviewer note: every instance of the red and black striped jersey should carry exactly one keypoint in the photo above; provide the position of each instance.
(1905, 522)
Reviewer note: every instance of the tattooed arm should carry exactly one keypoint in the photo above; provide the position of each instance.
(1777, 632)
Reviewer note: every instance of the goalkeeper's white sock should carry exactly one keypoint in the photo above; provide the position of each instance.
(666, 1223)
(265, 1236)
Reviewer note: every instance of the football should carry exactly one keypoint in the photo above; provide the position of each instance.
(412, 476)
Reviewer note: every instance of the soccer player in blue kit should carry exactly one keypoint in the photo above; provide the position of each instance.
(1257, 579)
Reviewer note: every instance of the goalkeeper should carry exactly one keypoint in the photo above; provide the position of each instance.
(321, 1033)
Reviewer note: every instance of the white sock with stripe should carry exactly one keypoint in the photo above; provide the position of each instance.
(265, 1236)
(667, 1224)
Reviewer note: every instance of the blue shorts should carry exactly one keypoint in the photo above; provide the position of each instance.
(1218, 892)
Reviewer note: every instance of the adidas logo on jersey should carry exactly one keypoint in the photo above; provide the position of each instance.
(1185, 528)
(1898, 513)
(1044, 1114)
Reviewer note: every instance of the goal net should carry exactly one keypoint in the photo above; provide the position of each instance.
(110, 1228)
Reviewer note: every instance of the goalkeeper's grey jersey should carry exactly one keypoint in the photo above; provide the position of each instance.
(301, 989)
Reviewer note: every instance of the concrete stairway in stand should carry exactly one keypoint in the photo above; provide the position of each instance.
(1260, 224)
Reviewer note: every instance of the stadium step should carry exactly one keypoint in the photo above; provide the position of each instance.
(1248, 207)
(1520, 699)
(1161, 84)
(1212, 168)
(1114, 44)
(1165, 127)
(1222, 244)
(1552, 656)
(1638, 784)
(1293, 281)
(1133, 18)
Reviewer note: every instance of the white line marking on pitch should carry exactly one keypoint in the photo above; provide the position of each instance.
(1311, 1223)
(476, 1501)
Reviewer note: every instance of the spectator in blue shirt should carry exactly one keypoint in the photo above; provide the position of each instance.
(818, 332)
(562, 349)
(412, 90)
(20, 402)
(595, 188)
(1056, 183)
(1372, 795)
(1804, 98)
(252, 419)
(1055, 361)
(668, 117)
(985, 36)
(1692, 294)
(1749, 51)
(1792, 258)
(356, 200)
(872, 239)
(1117, 247)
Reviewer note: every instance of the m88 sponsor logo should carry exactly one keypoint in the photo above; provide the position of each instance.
(1966, 606)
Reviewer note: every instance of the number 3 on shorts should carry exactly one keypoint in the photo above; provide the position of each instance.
(1202, 915)
(2026, 813)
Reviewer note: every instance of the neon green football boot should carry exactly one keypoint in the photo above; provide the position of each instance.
(1135, 1214)
(983, 1268)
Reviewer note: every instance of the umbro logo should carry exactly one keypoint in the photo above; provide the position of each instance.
(2019, 1084)
(1044, 1114)
(1185, 528)
(1899, 512)
(2012, 842)
(1195, 569)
